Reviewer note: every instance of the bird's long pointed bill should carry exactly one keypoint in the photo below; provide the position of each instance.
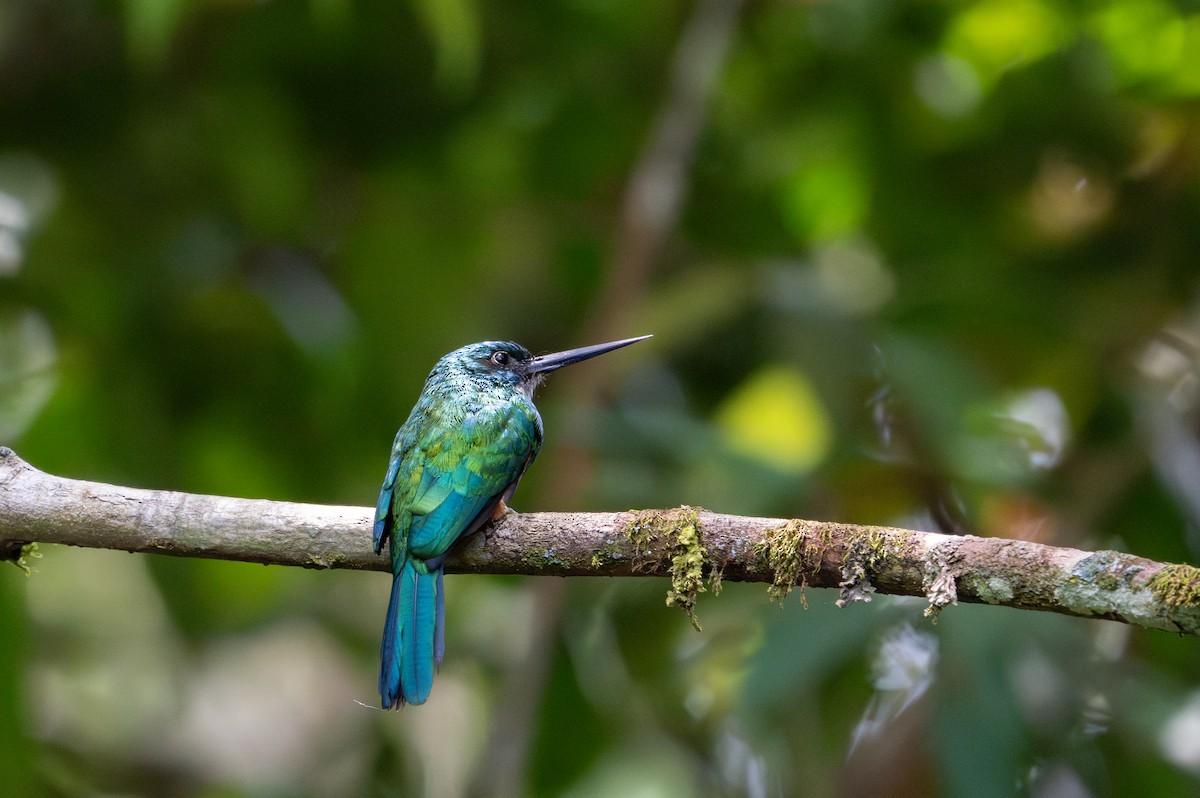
(543, 363)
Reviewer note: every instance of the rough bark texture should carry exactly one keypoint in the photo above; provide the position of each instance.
(694, 548)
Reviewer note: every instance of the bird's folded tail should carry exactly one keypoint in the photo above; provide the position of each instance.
(413, 641)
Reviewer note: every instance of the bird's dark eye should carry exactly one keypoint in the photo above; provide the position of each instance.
(500, 358)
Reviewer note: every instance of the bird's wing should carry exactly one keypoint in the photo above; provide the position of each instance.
(463, 477)
(383, 507)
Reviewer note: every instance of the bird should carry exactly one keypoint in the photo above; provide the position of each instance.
(454, 465)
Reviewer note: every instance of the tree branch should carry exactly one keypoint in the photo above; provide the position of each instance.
(694, 548)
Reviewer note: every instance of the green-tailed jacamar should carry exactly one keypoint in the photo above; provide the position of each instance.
(456, 460)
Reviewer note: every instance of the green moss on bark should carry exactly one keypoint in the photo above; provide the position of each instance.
(788, 549)
(1176, 585)
(676, 537)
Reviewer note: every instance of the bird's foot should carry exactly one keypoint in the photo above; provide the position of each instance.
(502, 510)
(496, 517)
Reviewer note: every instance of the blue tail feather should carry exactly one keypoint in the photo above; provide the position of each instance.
(439, 625)
(389, 653)
(412, 636)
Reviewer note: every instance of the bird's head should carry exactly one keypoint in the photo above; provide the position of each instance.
(508, 363)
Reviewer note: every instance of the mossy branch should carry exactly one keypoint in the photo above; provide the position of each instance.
(690, 546)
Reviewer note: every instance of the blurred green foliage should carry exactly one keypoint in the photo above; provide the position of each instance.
(936, 261)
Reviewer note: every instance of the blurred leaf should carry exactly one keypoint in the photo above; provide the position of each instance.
(690, 307)
(560, 760)
(454, 27)
(998, 35)
(150, 26)
(18, 751)
(28, 369)
(1151, 44)
(827, 199)
(258, 146)
(775, 416)
(646, 768)
(804, 646)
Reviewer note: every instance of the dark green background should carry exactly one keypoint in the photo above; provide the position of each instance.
(235, 236)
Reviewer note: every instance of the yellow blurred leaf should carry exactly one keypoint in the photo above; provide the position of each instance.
(998, 35)
(775, 416)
